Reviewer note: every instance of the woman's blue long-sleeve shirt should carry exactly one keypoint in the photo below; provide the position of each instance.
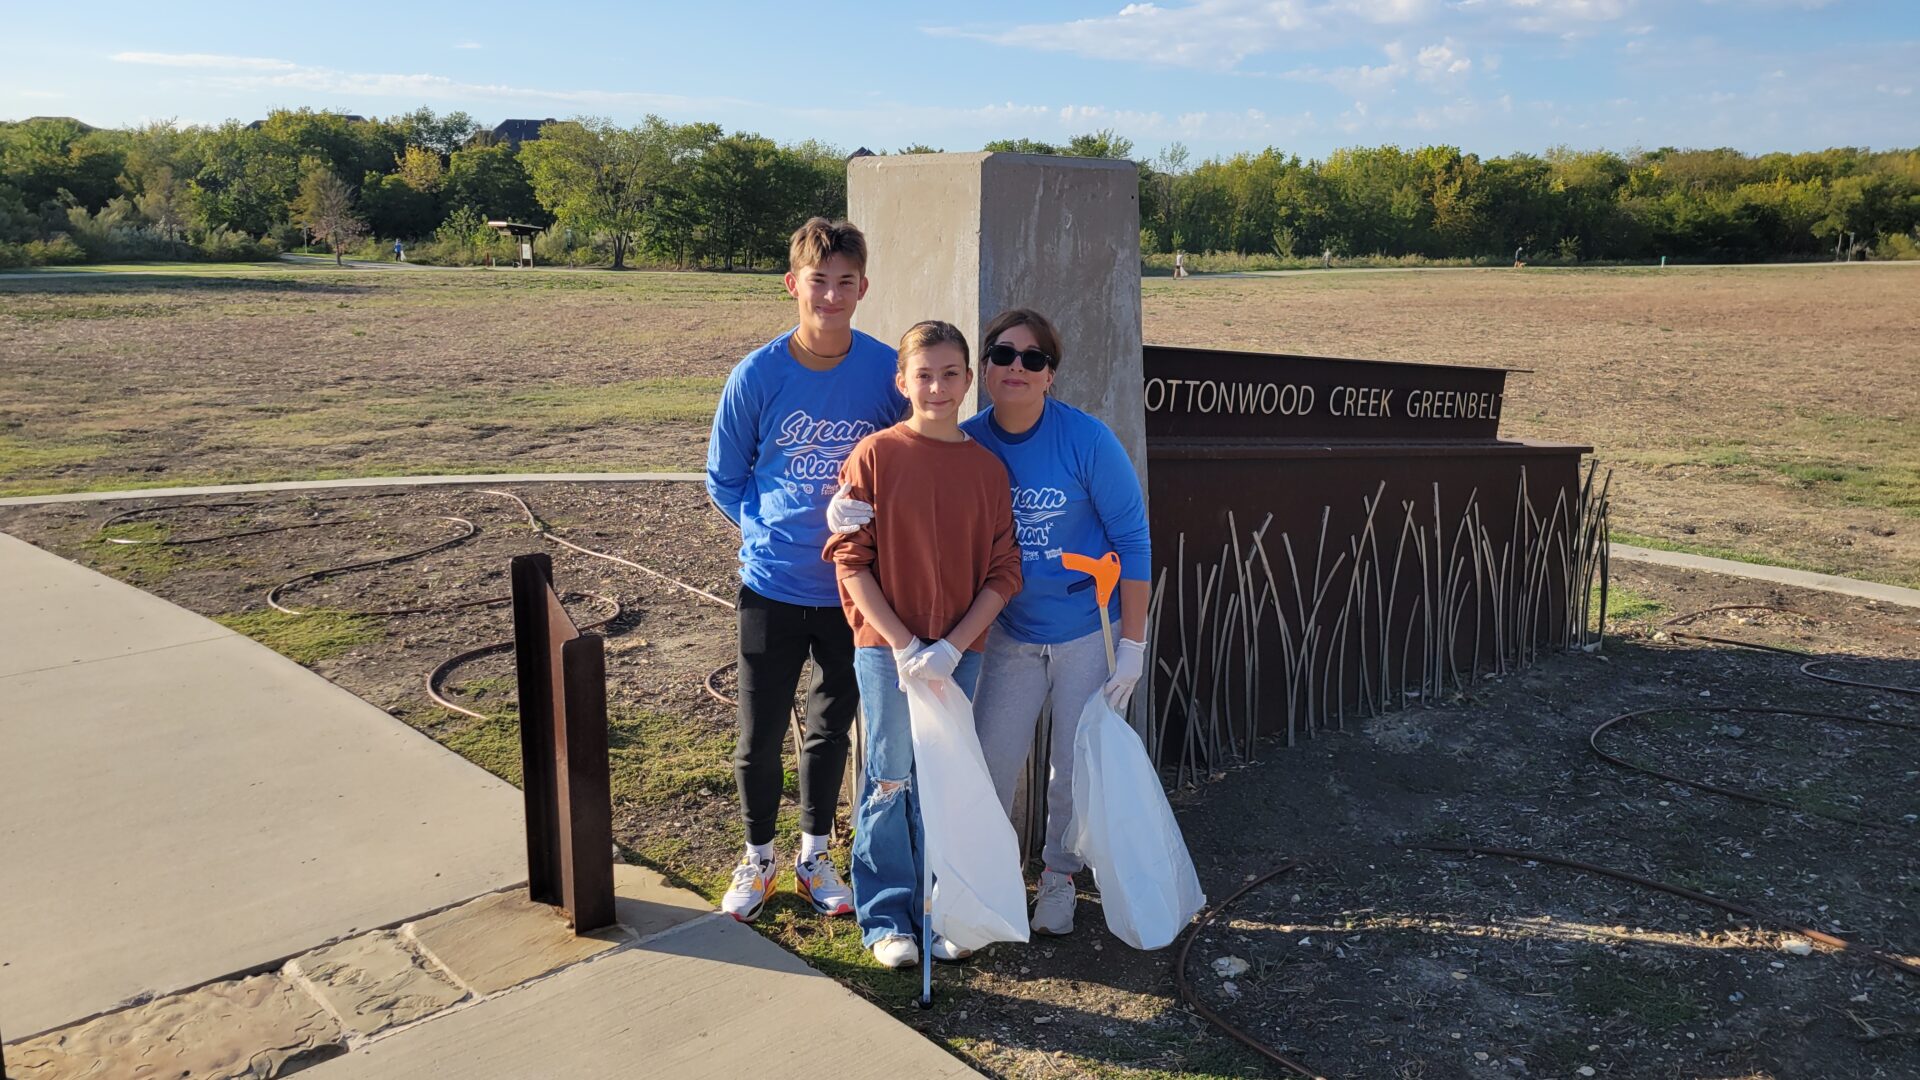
(1074, 489)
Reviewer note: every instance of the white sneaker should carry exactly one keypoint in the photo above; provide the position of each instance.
(948, 951)
(896, 951)
(751, 885)
(819, 884)
(1053, 908)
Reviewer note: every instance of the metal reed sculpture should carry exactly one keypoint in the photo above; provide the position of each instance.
(1399, 612)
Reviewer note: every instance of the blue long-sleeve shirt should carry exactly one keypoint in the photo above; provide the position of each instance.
(1074, 489)
(773, 460)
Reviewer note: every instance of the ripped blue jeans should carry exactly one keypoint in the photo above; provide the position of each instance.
(886, 825)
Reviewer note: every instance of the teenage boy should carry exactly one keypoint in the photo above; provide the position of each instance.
(791, 412)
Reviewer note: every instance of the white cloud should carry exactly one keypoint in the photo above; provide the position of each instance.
(213, 61)
(1442, 63)
(1201, 34)
(1222, 34)
(468, 45)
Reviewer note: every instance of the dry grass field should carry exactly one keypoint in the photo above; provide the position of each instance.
(1771, 414)
(1764, 413)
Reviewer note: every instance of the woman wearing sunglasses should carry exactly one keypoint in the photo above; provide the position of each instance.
(1074, 489)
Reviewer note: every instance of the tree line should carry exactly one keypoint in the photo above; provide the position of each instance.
(694, 195)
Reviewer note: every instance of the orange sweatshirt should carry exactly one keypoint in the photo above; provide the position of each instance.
(942, 531)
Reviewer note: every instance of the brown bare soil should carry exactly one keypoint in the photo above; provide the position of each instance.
(1370, 960)
(1765, 413)
(1762, 412)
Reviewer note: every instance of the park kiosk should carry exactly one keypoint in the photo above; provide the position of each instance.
(523, 239)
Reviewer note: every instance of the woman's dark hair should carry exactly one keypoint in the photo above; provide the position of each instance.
(1044, 334)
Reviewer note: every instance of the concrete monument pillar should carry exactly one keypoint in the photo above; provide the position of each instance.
(962, 237)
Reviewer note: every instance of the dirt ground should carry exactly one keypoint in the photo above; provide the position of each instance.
(1763, 413)
(1371, 960)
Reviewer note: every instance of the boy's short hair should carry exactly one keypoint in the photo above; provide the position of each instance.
(1044, 334)
(819, 240)
(922, 336)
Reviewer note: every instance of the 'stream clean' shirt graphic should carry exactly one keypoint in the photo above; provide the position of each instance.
(814, 449)
(779, 437)
(1034, 511)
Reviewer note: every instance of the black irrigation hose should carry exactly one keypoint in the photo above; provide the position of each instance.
(1901, 965)
(1671, 626)
(1807, 670)
(436, 678)
(714, 675)
(1674, 627)
(438, 675)
(274, 594)
(126, 516)
(1593, 743)
(1185, 989)
(1898, 964)
(547, 532)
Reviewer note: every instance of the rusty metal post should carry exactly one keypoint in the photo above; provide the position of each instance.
(585, 795)
(534, 675)
(563, 746)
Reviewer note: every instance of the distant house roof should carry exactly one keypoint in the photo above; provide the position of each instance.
(515, 132)
(862, 152)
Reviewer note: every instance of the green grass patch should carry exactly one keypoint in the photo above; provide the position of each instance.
(578, 407)
(493, 743)
(1755, 557)
(1626, 605)
(144, 561)
(404, 467)
(547, 410)
(201, 269)
(91, 310)
(656, 757)
(1711, 551)
(306, 639)
(1888, 485)
(19, 456)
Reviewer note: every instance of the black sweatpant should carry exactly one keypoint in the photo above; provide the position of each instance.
(776, 638)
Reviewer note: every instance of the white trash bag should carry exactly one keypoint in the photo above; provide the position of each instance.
(1124, 829)
(979, 896)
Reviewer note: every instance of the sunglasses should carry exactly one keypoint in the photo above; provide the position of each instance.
(1003, 355)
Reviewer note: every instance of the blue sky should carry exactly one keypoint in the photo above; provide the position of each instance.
(1491, 76)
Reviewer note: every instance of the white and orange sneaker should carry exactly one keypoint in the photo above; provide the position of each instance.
(820, 885)
(752, 884)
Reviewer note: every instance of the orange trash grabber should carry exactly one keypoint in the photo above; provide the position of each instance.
(1105, 572)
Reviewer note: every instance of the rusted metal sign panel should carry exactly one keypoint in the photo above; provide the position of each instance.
(563, 751)
(1216, 394)
(1335, 536)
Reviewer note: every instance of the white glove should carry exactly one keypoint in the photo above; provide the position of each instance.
(933, 663)
(900, 657)
(1129, 659)
(846, 515)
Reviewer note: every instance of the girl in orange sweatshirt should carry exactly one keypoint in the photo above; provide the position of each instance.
(936, 567)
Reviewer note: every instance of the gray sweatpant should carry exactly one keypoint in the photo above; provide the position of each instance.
(1016, 679)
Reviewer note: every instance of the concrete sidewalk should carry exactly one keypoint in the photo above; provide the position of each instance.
(179, 803)
(199, 837)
